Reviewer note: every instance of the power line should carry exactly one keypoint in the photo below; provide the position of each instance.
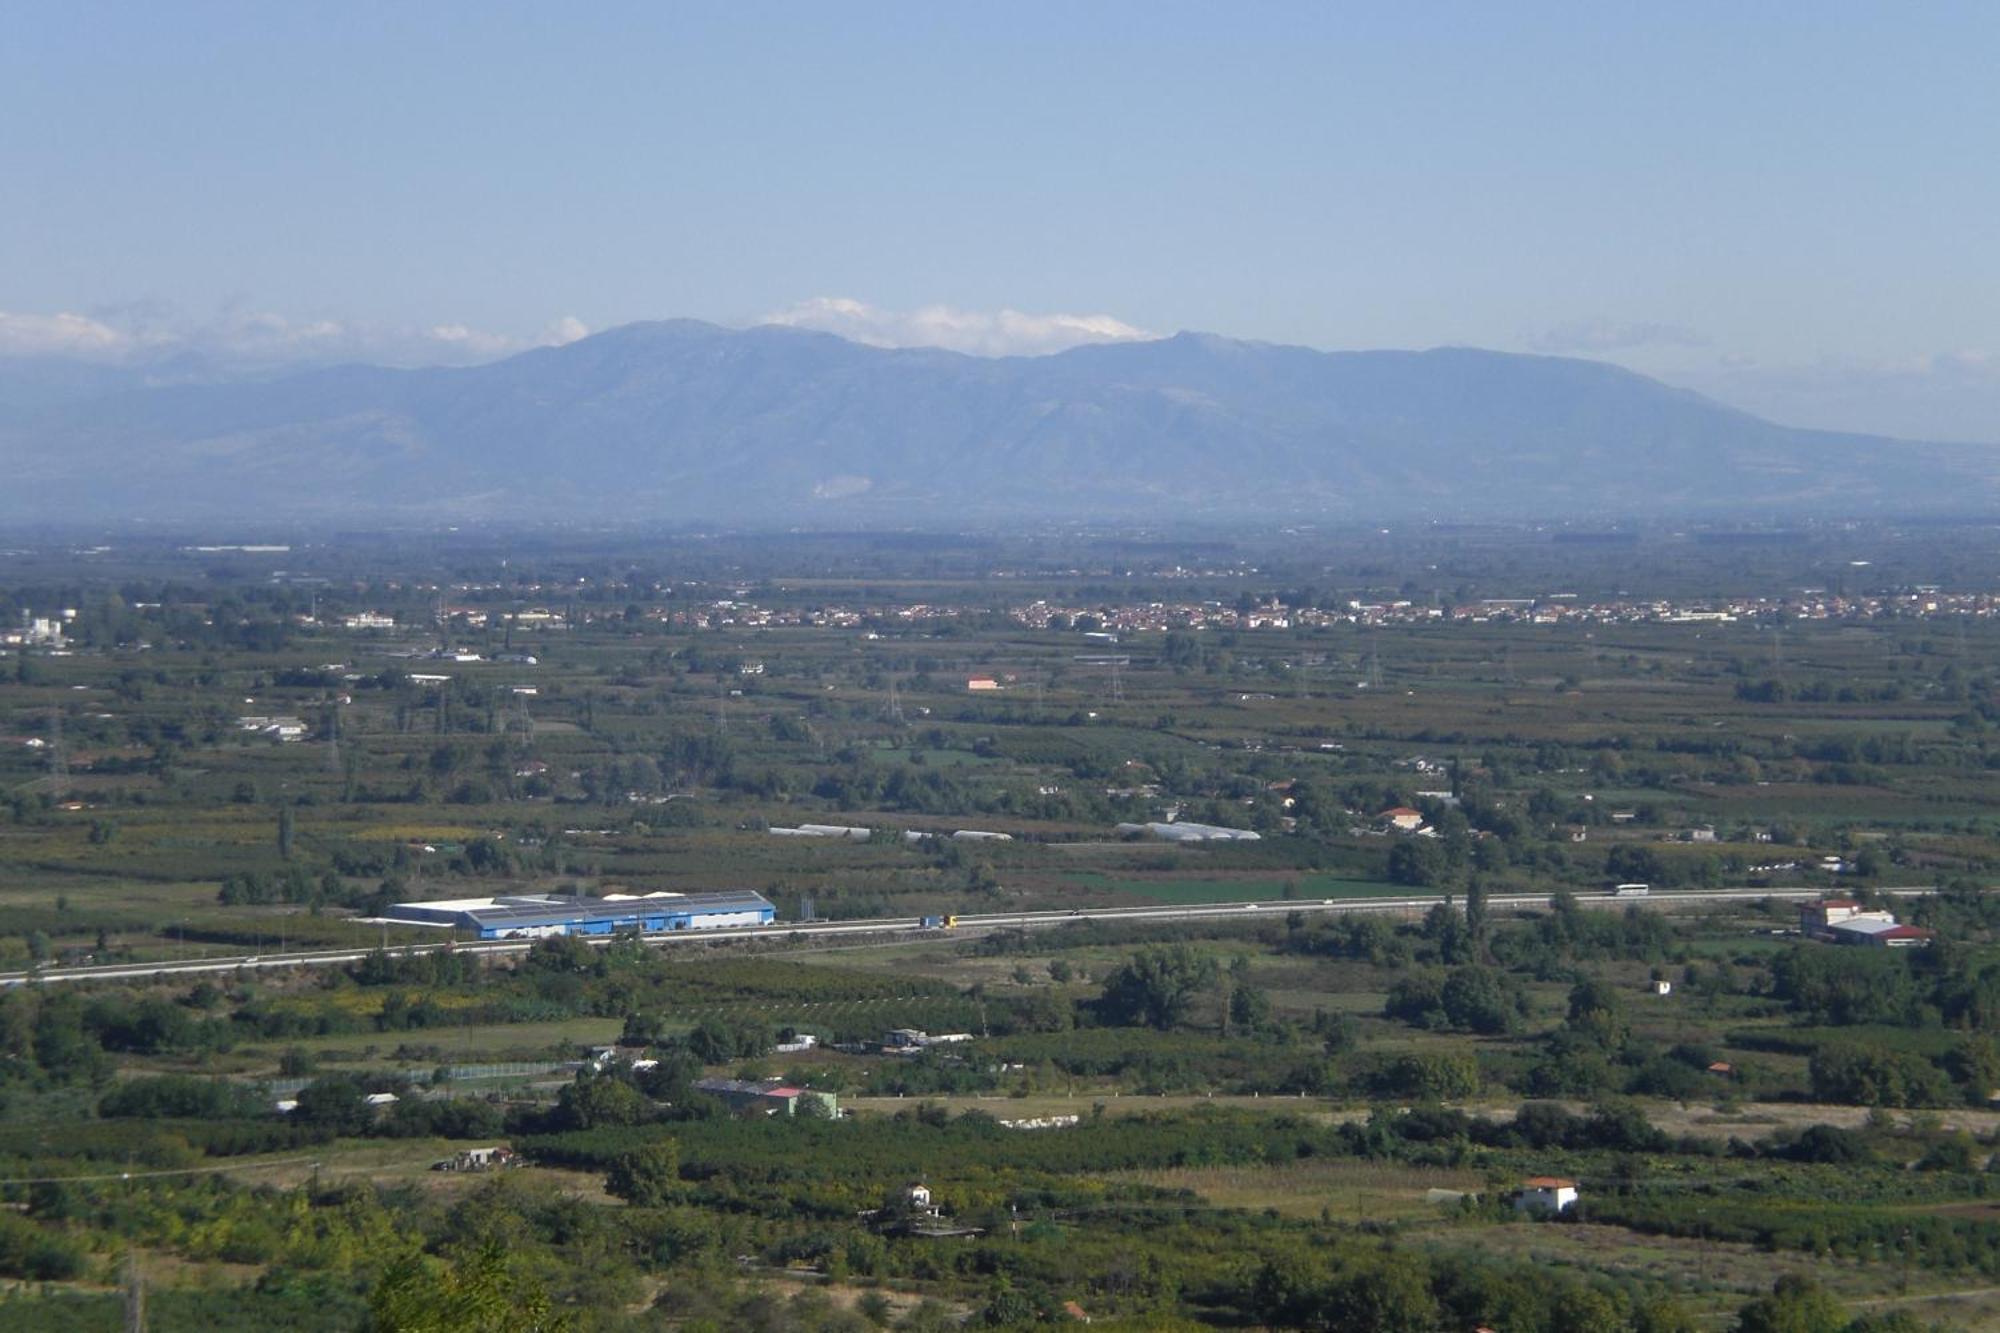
(148, 1175)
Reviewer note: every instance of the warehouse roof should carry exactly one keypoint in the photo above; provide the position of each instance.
(532, 907)
(748, 1087)
(538, 906)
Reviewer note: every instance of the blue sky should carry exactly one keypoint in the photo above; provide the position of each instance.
(1792, 206)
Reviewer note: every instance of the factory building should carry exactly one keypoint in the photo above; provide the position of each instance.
(768, 1097)
(1845, 921)
(533, 915)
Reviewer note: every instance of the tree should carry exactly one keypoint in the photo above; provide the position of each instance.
(1865, 1074)
(602, 1099)
(64, 1047)
(1475, 915)
(333, 1103)
(1662, 1314)
(1483, 1000)
(1156, 986)
(1431, 1076)
(479, 1294)
(1417, 999)
(1597, 1014)
(1445, 928)
(1389, 1296)
(1795, 1305)
(647, 1177)
(1249, 1008)
(1417, 862)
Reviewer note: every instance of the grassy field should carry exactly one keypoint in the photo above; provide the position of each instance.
(1190, 891)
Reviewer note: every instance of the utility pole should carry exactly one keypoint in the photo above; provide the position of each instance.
(135, 1296)
(58, 753)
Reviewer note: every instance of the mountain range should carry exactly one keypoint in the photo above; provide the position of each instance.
(685, 422)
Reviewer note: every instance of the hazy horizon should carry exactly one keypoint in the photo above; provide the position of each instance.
(1774, 211)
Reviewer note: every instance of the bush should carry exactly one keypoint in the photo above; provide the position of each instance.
(1868, 1075)
(181, 1096)
(28, 1251)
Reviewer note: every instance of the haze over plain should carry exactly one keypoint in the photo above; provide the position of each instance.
(1789, 215)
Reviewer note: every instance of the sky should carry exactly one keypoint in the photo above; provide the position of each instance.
(1795, 208)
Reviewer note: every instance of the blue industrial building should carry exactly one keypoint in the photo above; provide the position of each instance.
(533, 915)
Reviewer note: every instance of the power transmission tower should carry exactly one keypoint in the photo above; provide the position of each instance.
(1374, 662)
(721, 708)
(1117, 683)
(895, 702)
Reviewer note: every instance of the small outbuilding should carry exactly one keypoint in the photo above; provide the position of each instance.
(1548, 1196)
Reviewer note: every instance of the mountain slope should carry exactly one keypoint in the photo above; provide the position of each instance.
(683, 421)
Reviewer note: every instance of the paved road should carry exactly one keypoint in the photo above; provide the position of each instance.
(893, 929)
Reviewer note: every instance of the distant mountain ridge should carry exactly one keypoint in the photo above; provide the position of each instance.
(682, 421)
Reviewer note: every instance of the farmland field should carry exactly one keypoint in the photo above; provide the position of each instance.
(1233, 1121)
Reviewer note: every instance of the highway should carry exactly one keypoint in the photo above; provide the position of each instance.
(901, 928)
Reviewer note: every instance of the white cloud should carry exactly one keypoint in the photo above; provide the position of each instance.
(472, 343)
(235, 338)
(63, 334)
(979, 332)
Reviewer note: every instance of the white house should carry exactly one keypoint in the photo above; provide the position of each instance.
(1548, 1195)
